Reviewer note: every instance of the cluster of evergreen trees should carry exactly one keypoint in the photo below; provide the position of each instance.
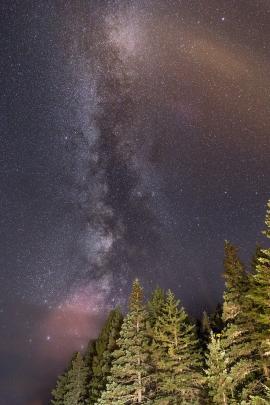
(156, 355)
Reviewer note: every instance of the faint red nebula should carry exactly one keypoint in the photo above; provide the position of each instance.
(75, 321)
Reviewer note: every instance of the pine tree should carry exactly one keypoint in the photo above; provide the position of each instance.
(236, 336)
(176, 356)
(76, 382)
(259, 297)
(130, 372)
(218, 379)
(102, 358)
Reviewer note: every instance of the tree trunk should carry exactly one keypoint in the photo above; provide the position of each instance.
(266, 371)
(140, 388)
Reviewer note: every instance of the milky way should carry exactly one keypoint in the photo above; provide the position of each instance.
(134, 139)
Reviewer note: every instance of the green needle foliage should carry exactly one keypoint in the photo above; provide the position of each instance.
(236, 283)
(131, 370)
(259, 296)
(218, 379)
(155, 305)
(176, 356)
(76, 392)
(102, 358)
(59, 392)
(236, 336)
(89, 355)
(204, 330)
(262, 400)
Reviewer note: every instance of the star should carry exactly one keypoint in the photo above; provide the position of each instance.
(134, 134)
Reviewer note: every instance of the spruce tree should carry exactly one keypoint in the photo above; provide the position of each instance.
(59, 392)
(102, 358)
(89, 354)
(236, 336)
(255, 258)
(76, 382)
(260, 311)
(176, 356)
(155, 305)
(216, 319)
(235, 283)
(266, 232)
(218, 379)
(130, 372)
(204, 330)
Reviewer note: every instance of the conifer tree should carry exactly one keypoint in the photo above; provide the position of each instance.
(176, 356)
(102, 358)
(204, 330)
(88, 361)
(216, 321)
(59, 392)
(266, 232)
(76, 382)
(236, 336)
(130, 372)
(235, 283)
(89, 354)
(218, 379)
(259, 297)
(155, 308)
(155, 305)
(255, 257)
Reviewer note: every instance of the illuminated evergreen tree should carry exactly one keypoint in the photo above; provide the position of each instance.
(259, 296)
(89, 354)
(59, 392)
(76, 392)
(176, 356)
(130, 373)
(204, 330)
(102, 358)
(155, 305)
(236, 336)
(219, 381)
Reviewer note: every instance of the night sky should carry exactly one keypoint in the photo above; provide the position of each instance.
(134, 139)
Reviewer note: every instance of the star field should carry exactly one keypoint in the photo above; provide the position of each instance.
(134, 139)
